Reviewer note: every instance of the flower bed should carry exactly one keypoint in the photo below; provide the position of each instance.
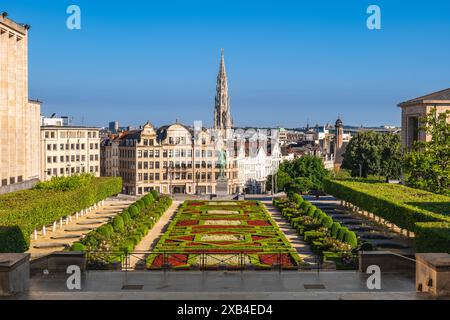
(327, 238)
(234, 234)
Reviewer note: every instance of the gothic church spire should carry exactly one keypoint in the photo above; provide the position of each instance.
(222, 113)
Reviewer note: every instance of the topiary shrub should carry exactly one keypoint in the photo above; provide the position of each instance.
(134, 211)
(327, 222)
(140, 204)
(341, 233)
(311, 210)
(118, 224)
(105, 230)
(351, 238)
(91, 241)
(125, 216)
(305, 205)
(155, 194)
(334, 229)
(77, 246)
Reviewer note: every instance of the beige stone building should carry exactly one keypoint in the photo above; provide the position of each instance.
(413, 110)
(69, 150)
(170, 159)
(19, 117)
(109, 156)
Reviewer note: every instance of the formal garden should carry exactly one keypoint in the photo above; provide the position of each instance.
(230, 234)
(108, 245)
(328, 239)
(24, 211)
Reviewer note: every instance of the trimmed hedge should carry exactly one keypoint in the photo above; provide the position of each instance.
(23, 211)
(433, 237)
(425, 213)
(398, 204)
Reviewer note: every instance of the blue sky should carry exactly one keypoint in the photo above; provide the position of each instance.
(288, 62)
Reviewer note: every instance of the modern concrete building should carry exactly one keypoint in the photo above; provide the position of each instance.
(113, 126)
(69, 150)
(19, 116)
(414, 109)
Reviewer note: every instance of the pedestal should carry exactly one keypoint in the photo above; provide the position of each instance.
(433, 273)
(222, 186)
(14, 273)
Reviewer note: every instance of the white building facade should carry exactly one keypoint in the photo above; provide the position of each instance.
(66, 151)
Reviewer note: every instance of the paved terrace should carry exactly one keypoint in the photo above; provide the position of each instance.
(296, 241)
(152, 237)
(72, 231)
(255, 285)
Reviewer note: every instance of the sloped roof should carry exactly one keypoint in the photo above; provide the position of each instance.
(435, 97)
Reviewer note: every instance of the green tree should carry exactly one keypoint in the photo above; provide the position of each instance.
(391, 156)
(300, 175)
(300, 185)
(427, 166)
(373, 153)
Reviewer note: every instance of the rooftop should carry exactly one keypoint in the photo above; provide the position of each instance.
(68, 127)
(18, 27)
(442, 96)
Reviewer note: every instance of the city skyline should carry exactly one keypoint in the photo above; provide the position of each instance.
(290, 65)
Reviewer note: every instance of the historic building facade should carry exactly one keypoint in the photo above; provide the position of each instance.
(256, 164)
(171, 159)
(19, 116)
(68, 150)
(413, 110)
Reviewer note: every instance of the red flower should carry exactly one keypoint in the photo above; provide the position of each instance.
(256, 238)
(261, 223)
(270, 259)
(185, 223)
(175, 260)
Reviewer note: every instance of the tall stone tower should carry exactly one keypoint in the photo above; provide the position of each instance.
(338, 144)
(222, 114)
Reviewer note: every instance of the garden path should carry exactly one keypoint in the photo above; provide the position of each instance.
(75, 229)
(303, 249)
(150, 240)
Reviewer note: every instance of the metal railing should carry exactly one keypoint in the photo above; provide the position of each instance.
(195, 260)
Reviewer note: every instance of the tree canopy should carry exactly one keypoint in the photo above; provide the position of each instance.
(302, 175)
(373, 153)
(427, 165)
